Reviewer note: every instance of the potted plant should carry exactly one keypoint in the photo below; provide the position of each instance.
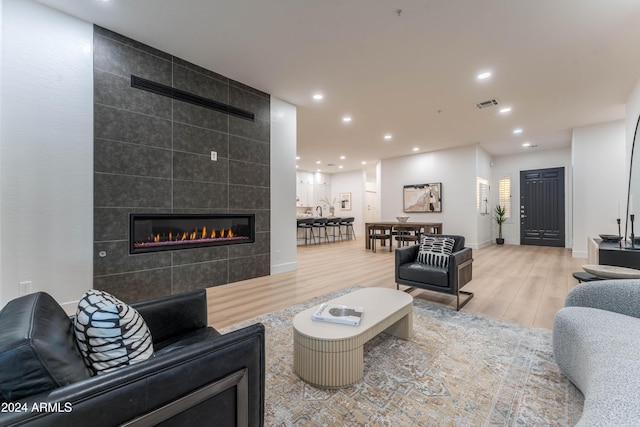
(500, 219)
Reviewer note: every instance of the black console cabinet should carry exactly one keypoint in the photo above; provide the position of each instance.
(611, 254)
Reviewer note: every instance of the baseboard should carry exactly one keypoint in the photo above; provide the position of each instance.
(484, 244)
(283, 268)
(579, 254)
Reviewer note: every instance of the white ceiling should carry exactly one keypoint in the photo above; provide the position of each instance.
(558, 63)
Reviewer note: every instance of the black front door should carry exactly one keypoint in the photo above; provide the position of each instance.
(542, 207)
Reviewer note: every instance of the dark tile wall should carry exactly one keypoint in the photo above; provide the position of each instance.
(153, 155)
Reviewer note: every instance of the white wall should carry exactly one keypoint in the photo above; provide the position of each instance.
(1, 212)
(632, 113)
(283, 186)
(46, 140)
(354, 183)
(511, 166)
(455, 169)
(485, 221)
(600, 177)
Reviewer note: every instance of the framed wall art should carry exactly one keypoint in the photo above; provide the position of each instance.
(422, 198)
(345, 201)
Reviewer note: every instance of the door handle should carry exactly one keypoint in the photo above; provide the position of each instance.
(523, 216)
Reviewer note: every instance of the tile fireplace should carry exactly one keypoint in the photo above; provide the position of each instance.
(163, 232)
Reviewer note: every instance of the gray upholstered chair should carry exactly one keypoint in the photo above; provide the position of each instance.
(596, 342)
(448, 279)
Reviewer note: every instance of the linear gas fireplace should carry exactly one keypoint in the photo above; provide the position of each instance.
(162, 232)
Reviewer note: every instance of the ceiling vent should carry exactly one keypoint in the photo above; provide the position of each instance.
(486, 104)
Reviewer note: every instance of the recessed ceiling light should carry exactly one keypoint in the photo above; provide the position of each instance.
(318, 162)
(340, 167)
(346, 119)
(364, 163)
(343, 157)
(526, 144)
(484, 75)
(297, 157)
(318, 96)
(505, 110)
(297, 166)
(416, 149)
(319, 170)
(517, 131)
(388, 136)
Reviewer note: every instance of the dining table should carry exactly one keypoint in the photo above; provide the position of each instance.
(427, 227)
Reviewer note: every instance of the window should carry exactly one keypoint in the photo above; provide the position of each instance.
(504, 194)
(482, 196)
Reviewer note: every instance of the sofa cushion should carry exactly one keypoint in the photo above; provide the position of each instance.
(424, 273)
(37, 348)
(110, 333)
(435, 250)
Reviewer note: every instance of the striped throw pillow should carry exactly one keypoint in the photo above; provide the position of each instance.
(435, 250)
(110, 334)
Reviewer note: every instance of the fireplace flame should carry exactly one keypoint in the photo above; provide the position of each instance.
(196, 235)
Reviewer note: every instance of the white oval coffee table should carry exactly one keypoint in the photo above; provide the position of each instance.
(331, 355)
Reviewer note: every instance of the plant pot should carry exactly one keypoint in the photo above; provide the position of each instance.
(499, 241)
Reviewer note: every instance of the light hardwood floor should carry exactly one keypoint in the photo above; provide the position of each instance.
(526, 284)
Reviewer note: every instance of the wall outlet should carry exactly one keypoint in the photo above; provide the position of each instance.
(25, 287)
(214, 156)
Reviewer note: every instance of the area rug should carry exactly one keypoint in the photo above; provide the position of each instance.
(460, 369)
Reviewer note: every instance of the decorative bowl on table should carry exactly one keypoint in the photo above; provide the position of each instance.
(402, 218)
(610, 237)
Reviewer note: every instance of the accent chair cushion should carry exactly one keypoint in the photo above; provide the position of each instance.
(37, 350)
(424, 273)
(435, 250)
(110, 333)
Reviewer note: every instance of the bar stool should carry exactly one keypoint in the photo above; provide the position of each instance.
(380, 232)
(347, 223)
(306, 224)
(334, 223)
(321, 225)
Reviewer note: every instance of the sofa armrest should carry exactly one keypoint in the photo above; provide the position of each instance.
(136, 390)
(406, 254)
(174, 315)
(457, 258)
(619, 296)
(457, 279)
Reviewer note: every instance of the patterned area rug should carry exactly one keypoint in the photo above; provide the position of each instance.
(460, 369)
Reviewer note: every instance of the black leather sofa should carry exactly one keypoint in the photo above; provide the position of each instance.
(197, 376)
(449, 279)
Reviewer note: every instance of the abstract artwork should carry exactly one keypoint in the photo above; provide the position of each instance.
(423, 198)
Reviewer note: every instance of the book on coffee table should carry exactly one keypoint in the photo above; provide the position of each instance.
(335, 313)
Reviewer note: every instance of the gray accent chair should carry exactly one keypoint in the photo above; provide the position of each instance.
(596, 343)
(449, 279)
